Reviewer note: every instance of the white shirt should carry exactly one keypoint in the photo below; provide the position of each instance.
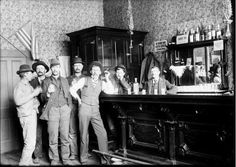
(107, 87)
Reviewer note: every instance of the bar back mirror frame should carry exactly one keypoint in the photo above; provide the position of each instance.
(199, 65)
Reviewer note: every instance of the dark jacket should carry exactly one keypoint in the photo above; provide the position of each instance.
(122, 85)
(50, 101)
(162, 83)
(35, 83)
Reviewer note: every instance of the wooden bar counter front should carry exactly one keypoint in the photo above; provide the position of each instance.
(172, 129)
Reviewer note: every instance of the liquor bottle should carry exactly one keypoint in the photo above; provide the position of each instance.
(218, 32)
(136, 86)
(197, 35)
(209, 37)
(173, 40)
(155, 91)
(191, 34)
(213, 33)
(202, 33)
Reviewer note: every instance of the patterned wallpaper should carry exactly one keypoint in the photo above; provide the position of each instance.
(162, 18)
(51, 19)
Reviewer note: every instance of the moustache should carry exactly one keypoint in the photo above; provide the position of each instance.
(55, 71)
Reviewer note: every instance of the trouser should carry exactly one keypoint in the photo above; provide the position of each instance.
(73, 131)
(29, 125)
(39, 137)
(91, 114)
(58, 122)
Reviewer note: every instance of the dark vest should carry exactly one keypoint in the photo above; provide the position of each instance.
(90, 94)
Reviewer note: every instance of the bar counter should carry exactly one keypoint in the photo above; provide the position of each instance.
(187, 128)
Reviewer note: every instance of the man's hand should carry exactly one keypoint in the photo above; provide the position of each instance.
(37, 91)
(51, 88)
(107, 74)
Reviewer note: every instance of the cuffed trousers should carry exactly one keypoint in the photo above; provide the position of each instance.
(59, 118)
(87, 114)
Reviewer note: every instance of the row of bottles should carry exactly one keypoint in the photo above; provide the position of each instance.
(195, 35)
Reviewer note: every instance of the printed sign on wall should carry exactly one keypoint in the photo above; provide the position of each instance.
(160, 46)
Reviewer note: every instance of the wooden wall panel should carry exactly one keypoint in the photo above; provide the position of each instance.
(11, 137)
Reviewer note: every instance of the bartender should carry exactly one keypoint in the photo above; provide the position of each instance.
(158, 85)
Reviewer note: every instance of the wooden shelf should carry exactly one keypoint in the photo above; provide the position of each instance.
(194, 44)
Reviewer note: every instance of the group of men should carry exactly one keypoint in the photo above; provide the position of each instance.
(68, 105)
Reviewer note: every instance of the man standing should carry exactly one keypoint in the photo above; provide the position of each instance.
(57, 113)
(73, 131)
(41, 69)
(91, 88)
(25, 98)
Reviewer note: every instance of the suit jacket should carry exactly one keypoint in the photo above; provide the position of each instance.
(35, 83)
(122, 85)
(49, 101)
(162, 84)
(148, 62)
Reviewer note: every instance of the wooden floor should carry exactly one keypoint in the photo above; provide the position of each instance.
(13, 158)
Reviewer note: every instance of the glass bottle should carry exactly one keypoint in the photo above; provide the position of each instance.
(197, 35)
(191, 35)
(136, 86)
(209, 33)
(202, 34)
(213, 33)
(218, 32)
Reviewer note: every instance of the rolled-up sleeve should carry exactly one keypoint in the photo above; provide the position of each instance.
(107, 87)
(76, 86)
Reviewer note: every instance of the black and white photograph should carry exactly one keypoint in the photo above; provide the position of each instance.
(117, 82)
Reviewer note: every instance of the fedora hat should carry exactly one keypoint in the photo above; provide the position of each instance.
(39, 62)
(77, 60)
(96, 63)
(24, 68)
(121, 66)
(54, 62)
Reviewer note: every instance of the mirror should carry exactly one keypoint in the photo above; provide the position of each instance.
(197, 66)
(207, 67)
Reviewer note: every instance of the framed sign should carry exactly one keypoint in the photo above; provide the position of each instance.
(180, 39)
(160, 46)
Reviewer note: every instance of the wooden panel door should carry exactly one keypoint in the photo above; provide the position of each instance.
(11, 137)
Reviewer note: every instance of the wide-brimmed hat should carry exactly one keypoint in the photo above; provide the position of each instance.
(121, 66)
(77, 60)
(39, 62)
(95, 63)
(54, 62)
(24, 68)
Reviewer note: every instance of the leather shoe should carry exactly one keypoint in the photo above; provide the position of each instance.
(84, 163)
(105, 161)
(68, 162)
(36, 160)
(53, 162)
